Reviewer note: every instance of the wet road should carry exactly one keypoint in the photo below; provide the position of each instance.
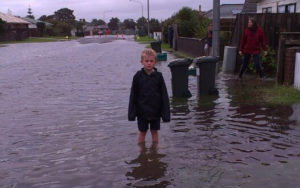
(63, 123)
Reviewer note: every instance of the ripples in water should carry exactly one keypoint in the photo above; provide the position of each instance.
(64, 124)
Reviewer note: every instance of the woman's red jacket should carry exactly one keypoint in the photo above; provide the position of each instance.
(251, 43)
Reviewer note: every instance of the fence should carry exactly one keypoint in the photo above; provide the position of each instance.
(287, 40)
(19, 34)
(271, 23)
(297, 71)
(34, 33)
(191, 46)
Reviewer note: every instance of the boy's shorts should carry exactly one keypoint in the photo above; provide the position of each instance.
(143, 124)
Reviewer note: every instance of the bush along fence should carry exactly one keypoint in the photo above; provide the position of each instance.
(278, 29)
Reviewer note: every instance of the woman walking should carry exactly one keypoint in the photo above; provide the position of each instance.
(251, 43)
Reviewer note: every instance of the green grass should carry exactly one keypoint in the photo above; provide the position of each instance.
(144, 40)
(252, 91)
(281, 95)
(39, 39)
(166, 47)
(182, 55)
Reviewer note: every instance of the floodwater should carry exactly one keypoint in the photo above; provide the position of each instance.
(63, 123)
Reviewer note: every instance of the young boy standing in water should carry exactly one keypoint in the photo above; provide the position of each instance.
(149, 100)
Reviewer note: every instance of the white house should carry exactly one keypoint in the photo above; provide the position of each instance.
(278, 6)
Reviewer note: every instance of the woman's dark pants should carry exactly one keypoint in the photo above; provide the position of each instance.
(256, 59)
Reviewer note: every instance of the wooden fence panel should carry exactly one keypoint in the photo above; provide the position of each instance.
(272, 24)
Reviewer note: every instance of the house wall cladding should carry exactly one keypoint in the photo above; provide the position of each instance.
(274, 3)
(15, 32)
(289, 67)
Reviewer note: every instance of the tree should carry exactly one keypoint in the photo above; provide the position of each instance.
(142, 26)
(129, 24)
(141, 22)
(29, 12)
(187, 22)
(101, 22)
(41, 27)
(65, 15)
(2, 26)
(50, 19)
(203, 23)
(62, 29)
(63, 21)
(121, 26)
(96, 22)
(80, 27)
(114, 23)
(190, 23)
(43, 18)
(155, 26)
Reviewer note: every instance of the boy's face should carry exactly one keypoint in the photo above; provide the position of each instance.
(148, 62)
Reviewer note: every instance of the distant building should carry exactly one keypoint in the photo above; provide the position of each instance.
(278, 6)
(95, 30)
(157, 36)
(201, 13)
(33, 28)
(33, 22)
(250, 6)
(15, 28)
(271, 6)
(228, 14)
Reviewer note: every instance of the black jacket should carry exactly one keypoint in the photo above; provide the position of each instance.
(149, 97)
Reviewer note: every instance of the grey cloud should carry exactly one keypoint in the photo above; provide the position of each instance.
(88, 9)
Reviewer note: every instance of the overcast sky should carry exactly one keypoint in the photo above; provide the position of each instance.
(88, 9)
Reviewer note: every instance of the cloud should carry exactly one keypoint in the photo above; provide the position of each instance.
(89, 9)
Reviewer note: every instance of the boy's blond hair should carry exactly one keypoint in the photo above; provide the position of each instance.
(148, 52)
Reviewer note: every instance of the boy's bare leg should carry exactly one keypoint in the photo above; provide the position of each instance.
(154, 134)
(142, 147)
(142, 136)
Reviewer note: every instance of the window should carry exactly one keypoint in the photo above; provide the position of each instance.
(289, 8)
(267, 10)
(235, 12)
(281, 9)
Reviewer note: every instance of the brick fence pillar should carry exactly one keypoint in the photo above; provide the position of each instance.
(289, 65)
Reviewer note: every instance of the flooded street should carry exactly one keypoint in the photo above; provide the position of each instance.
(63, 123)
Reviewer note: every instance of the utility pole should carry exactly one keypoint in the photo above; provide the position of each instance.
(216, 28)
(148, 18)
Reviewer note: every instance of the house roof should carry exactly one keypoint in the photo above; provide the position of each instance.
(96, 27)
(250, 6)
(33, 21)
(226, 11)
(12, 19)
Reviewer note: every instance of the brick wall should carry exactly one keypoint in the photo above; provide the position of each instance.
(289, 65)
